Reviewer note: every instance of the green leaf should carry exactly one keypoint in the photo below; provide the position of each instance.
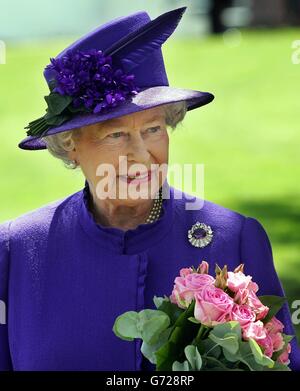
(57, 103)
(73, 109)
(125, 326)
(227, 335)
(229, 342)
(245, 355)
(287, 338)
(149, 351)
(56, 120)
(165, 356)
(194, 320)
(274, 303)
(182, 334)
(119, 335)
(150, 324)
(193, 356)
(222, 329)
(171, 309)
(231, 357)
(210, 348)
(159, 300)
(213, 364)
(279, 367)
(178, 366)
(37, 127)
(259, 357)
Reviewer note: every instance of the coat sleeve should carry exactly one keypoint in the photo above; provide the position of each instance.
(256, 254)
(5, 359)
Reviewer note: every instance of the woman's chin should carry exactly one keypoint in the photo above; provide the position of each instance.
(130, 193)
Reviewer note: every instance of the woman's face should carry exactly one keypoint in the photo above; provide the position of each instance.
(125, 146)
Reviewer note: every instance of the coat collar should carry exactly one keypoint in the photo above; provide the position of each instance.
(133, 240)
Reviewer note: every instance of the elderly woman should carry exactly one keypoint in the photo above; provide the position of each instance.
(69, 268)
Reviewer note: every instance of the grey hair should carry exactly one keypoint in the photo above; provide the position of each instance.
(60, 143)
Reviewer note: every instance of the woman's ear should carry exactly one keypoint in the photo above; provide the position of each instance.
(72, 154)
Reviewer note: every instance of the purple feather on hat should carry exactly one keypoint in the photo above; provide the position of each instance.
(136, 47)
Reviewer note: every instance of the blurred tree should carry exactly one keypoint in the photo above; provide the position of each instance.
(274, 13)
(215, 14)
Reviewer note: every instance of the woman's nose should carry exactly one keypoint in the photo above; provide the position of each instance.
(138, 150)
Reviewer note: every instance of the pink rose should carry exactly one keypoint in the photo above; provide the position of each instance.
(254, 330)
(185, 288)
(252, 286)
(274, 326)
(176, 299)
(241, 296)
(284, 357)
(185, 271)
(238, 281)
(274, 339)
(267, 345)
(274, 329)
(213, 306)
(277, 340)
(243, 314)
(260, 310)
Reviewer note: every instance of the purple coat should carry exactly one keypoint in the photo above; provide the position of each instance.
(65, 279)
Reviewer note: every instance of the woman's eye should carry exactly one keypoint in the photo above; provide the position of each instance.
(116, 134)
(154, 130)
(120, 134)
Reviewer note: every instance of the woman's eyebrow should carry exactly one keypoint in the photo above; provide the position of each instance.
(155, 118)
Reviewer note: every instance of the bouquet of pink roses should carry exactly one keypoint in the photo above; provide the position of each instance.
(210, 323)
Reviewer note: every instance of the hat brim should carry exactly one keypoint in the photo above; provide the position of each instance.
(145, 99)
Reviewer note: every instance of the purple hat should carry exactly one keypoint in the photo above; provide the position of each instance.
(115, 70)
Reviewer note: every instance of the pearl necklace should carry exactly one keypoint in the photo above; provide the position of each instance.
(156, 209)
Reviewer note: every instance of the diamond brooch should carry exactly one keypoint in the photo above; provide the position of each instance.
(200, 235)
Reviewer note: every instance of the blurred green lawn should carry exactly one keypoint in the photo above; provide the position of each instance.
(248, 138)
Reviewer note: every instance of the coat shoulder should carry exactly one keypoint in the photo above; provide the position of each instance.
(191, 207)
(36, 223)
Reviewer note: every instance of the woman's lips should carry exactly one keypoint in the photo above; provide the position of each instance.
(141, 179)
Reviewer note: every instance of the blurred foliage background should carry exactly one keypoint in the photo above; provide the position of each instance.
(248, 138)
